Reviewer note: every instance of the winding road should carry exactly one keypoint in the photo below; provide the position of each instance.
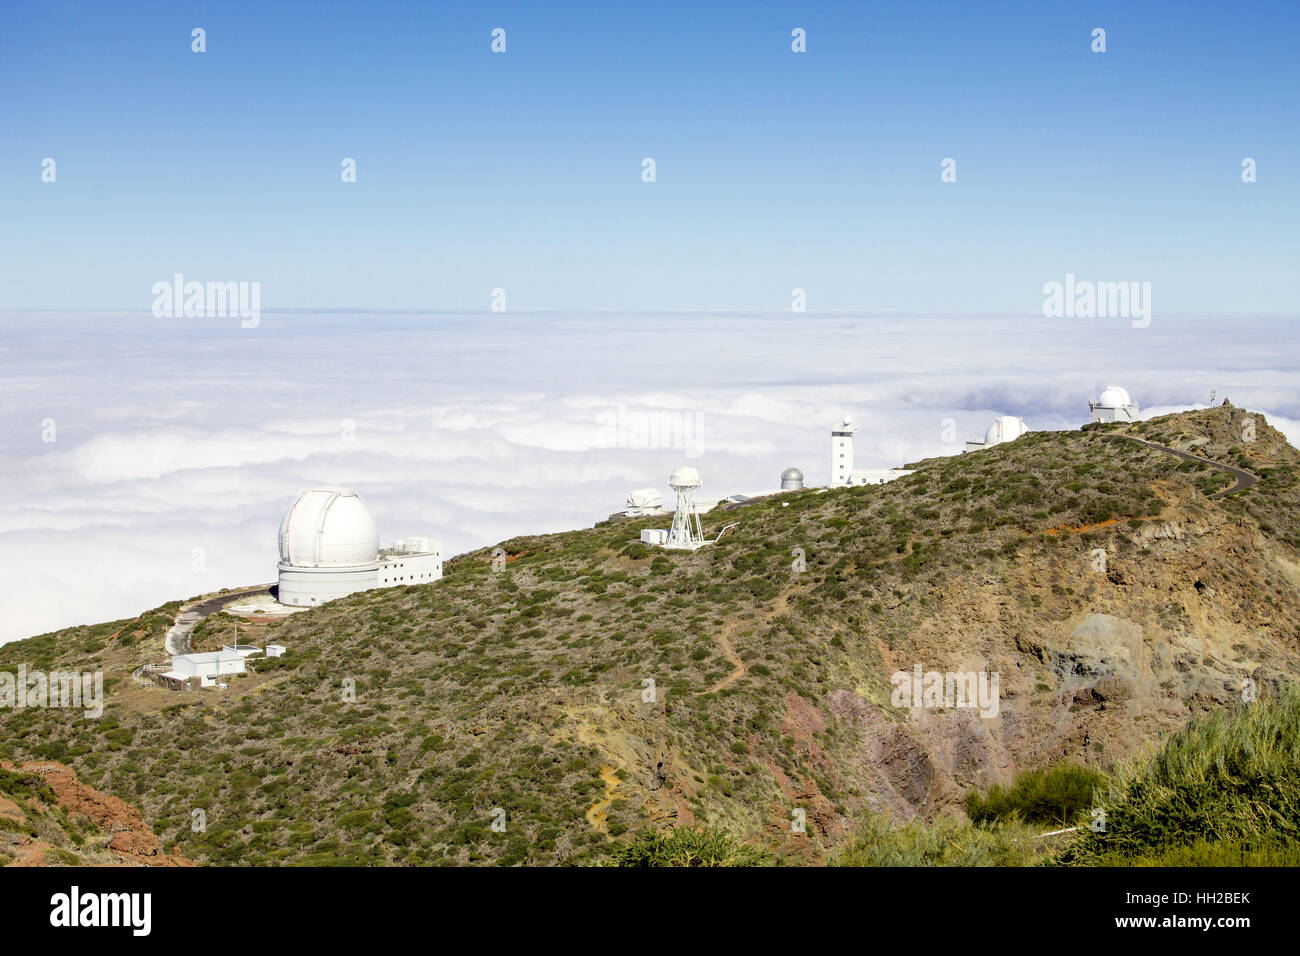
(178, 636)
(1244, 479)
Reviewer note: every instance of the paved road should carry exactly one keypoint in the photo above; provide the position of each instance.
(178, 636)
(1244, 478)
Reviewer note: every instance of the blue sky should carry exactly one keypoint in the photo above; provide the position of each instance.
(774, 169)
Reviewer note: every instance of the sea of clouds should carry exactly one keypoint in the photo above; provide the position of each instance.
(178, 443)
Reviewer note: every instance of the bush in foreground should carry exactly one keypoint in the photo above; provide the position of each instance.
(1054, 795)
(1233, 779)
(685, 847)
(947, 841)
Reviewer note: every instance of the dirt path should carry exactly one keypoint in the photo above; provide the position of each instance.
(1244, 479)
(597, 816)
(723, 637)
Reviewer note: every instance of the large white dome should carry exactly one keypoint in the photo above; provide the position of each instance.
(1004, 428)
(328, 528)
(1113, 397)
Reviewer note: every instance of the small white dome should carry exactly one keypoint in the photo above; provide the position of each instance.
(328, 528)
(1004, 428)
(684, 476)
(1113, 397)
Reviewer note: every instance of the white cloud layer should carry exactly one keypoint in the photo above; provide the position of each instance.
(179, 443)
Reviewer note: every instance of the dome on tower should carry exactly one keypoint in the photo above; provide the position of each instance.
(1004, 428)
(684, 476)
(1114, 397)
(328, 528)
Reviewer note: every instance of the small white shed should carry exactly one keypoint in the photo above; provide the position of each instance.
(207, 666)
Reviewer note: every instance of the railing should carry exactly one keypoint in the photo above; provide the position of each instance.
(144, 674)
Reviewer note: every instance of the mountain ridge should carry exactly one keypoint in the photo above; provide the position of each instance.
(525, 691)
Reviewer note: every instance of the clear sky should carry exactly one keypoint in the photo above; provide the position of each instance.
(522, 170)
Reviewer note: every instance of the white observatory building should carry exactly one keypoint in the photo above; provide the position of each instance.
(644, 501)
(329, 548)
(1113, 405)
(843, 474)
(1004, 428)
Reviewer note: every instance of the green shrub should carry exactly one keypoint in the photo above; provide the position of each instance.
(1232, 778)
(1053, 795)
(948, 841)
(685, 847)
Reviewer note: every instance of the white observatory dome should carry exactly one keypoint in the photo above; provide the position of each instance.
(1004, 428)
(684, 476)
(1114, 397)
(791, 479)
(328, 528)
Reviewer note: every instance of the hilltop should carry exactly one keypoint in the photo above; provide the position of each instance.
(1114, 597)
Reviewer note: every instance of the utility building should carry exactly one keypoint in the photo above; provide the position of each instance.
(207, 669)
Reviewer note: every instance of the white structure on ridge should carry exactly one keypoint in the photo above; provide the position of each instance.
(686, 532)
(1004, 428)
(1113, 405)
(843, 474)
(842, 453)
(329, 548)
(208, 667)
(791, 479)
(645, 501)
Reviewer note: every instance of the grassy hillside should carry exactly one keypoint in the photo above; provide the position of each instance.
(402, 719)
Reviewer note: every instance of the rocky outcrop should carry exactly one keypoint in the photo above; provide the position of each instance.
(35, 835)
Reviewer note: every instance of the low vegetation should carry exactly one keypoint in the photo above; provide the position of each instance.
(403, 722)
(1055, 795)
(1232, 779)
(685, 847)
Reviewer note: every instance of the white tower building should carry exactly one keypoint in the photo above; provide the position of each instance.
(1113, 405)
(686, 531)
(842, 453)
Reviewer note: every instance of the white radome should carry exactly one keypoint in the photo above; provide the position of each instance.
(1114, 397)
(684, 476)
(1004, 428)
(328, 528)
